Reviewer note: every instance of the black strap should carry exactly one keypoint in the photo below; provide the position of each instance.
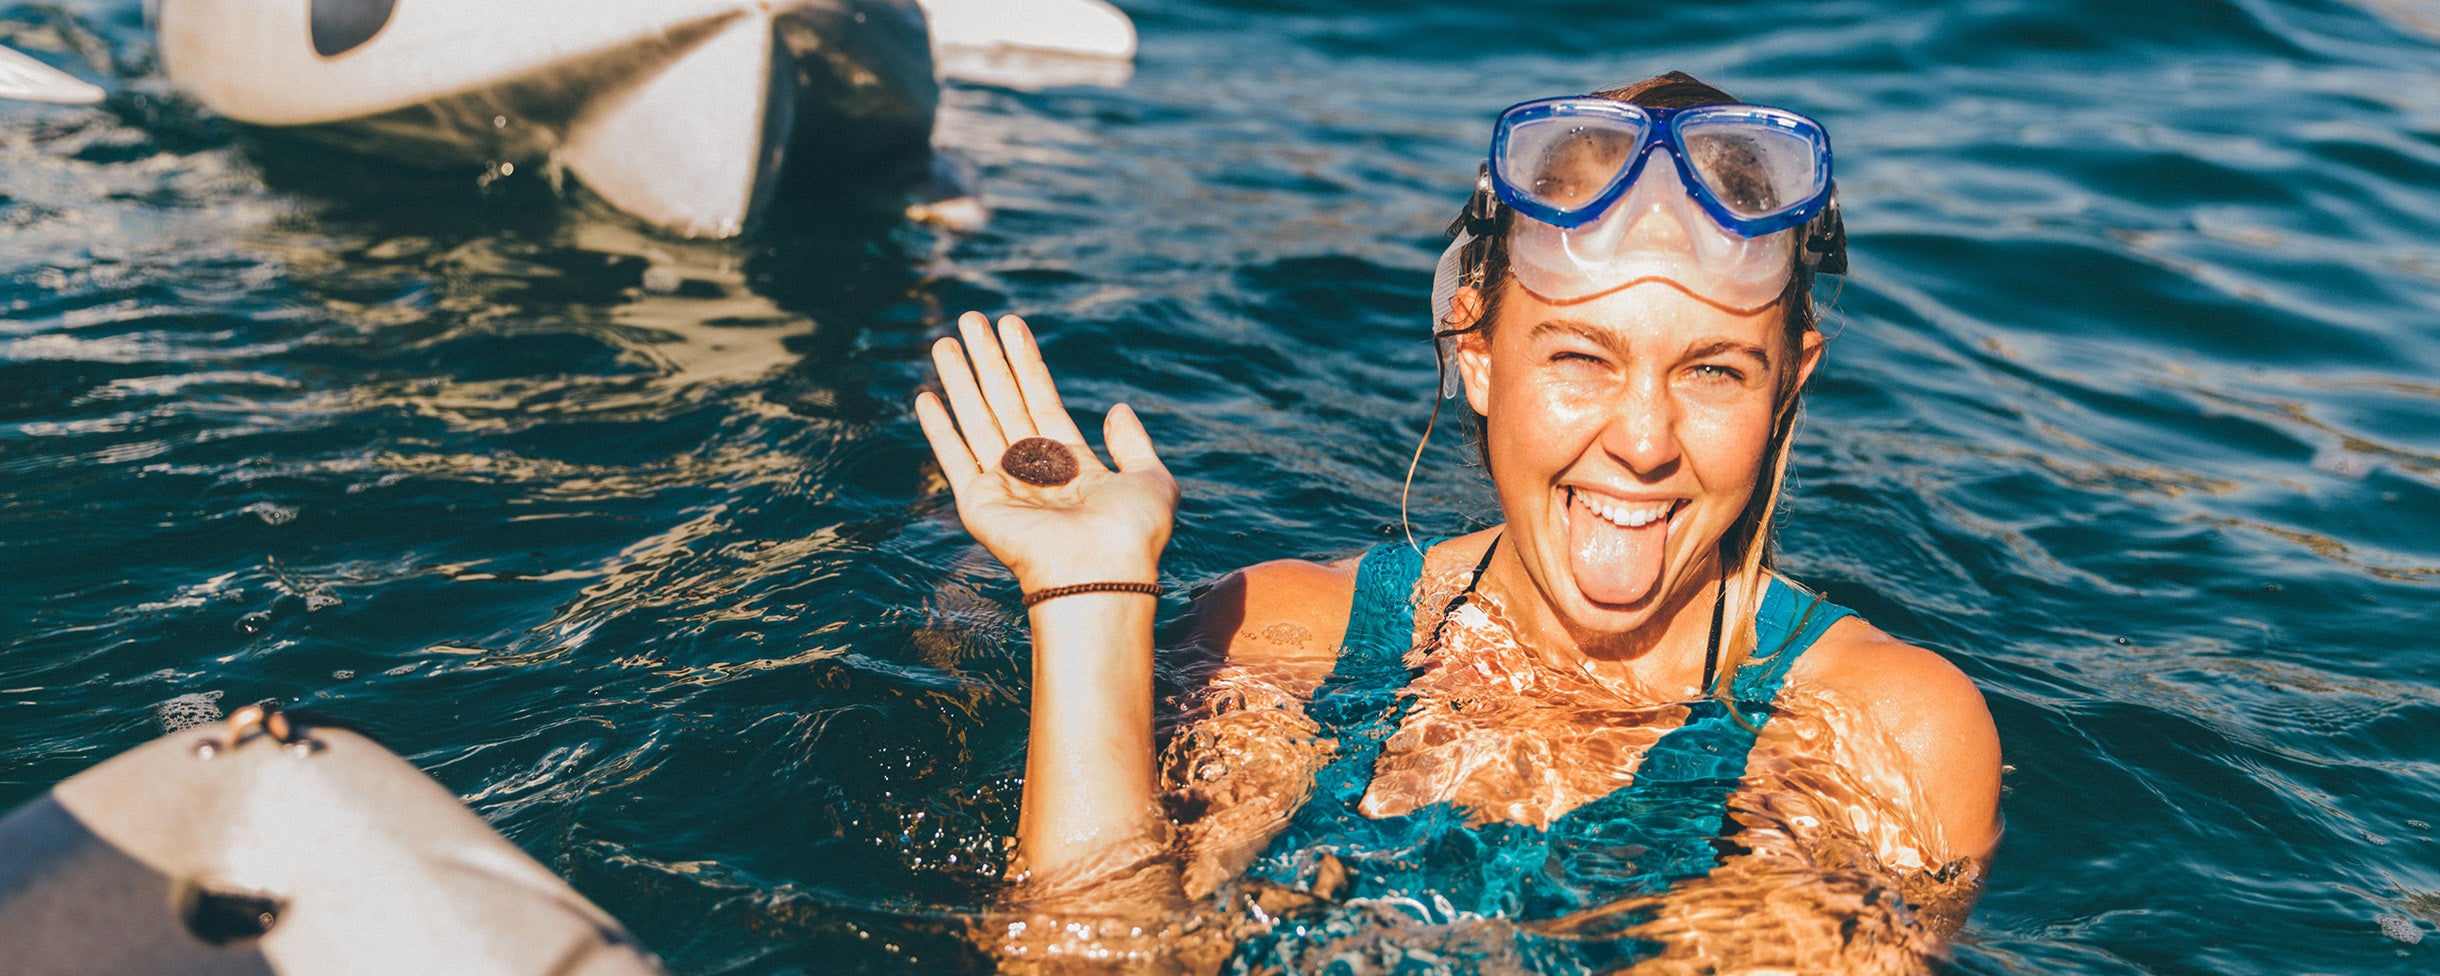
(1711, 654)
(1471, 583)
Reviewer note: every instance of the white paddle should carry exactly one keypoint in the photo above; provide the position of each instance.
(26, 79)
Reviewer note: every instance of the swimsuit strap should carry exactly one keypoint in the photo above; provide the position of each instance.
(1381, 620)
(1471, 582)
(1719, 606)
(1789, 621)
(1363, 700)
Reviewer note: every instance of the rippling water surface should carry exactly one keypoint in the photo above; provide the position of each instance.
(2133, 410)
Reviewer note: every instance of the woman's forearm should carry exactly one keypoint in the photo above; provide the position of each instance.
(1089, 786)
(1060, 519)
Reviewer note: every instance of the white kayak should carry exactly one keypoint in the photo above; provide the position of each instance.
(28, 80)
(1031, 43)
(686, 113)
(271, 848)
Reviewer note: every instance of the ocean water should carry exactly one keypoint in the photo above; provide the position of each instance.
(2132, 410)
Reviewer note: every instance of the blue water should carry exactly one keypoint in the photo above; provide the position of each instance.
(2132, 410)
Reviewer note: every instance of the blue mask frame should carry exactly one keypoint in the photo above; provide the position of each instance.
(1661, 127)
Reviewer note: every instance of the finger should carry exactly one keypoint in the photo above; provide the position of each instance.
(991, 370)
(1042, 400)
(956, 459)
(1123, 432)
(974, 417)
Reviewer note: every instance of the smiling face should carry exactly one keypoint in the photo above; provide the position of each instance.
(1625, 435)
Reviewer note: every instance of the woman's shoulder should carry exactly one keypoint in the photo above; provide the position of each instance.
(1929, 709)
(1866, 664)
(1282, 609)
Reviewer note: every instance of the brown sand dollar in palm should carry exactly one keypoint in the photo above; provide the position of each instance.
(1040, 461)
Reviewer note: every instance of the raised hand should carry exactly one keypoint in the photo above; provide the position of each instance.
(1103, 526)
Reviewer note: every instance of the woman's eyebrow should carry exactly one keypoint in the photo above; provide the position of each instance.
(1717, 347)
(1582, 330)
(1610, 341)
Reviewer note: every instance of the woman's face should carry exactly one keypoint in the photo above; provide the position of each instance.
(1625, 435)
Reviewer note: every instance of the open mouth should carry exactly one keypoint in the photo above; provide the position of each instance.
(1627, 515)
(1616, 547)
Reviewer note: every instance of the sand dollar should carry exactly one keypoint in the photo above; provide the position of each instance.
(1040, 461)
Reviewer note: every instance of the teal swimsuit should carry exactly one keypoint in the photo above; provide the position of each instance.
(1431, 867)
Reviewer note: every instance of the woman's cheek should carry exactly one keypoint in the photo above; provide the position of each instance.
(1564, 422)
(1734, 438)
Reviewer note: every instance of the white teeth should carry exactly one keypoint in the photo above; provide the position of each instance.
(1627, 516)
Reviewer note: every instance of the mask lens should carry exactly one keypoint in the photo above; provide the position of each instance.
(1753, 167)
(1565, 161)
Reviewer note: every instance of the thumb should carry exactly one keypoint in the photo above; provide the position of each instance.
(1123, 433)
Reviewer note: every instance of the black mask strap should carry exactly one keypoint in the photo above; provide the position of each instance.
(1481, 215)
(1825, 240)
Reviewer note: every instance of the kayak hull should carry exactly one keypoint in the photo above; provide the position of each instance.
(686, 113)
(231, 850)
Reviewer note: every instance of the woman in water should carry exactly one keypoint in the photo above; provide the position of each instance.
(1601, 732)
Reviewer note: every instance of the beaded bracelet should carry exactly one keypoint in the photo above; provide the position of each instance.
(1037, 596)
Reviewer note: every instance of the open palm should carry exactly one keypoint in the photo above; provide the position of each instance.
(1104, 526)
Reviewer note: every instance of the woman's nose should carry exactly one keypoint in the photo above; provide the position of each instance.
(1642, 431)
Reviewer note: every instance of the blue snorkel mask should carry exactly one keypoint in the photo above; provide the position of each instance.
(1743, 196)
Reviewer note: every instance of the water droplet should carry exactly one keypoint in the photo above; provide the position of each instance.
(495, 172)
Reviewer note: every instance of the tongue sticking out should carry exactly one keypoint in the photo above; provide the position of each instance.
(1613, 564)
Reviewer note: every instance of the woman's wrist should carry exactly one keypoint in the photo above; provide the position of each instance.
(1035, 597)
(1127, 569)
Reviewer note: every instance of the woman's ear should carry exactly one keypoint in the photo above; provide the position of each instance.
(1809, 358)
(1473, 347)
